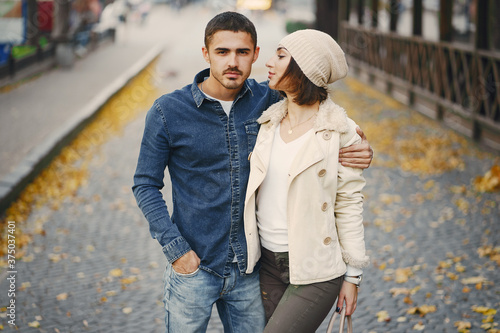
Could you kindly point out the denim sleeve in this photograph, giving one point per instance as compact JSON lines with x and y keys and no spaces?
{"x":148,"y":181}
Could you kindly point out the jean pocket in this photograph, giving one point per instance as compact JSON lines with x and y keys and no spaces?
{"x":186,"y":274}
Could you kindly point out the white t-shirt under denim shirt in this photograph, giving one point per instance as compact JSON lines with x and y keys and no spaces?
{"x":271,"y":198}
{"x":226,"y":105}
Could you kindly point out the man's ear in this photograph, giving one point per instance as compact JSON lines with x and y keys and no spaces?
{"x":204,"y":50}
{"x":256,"y":54}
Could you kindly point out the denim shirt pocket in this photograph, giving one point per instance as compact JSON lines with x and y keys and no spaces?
{"x":252,"y":129}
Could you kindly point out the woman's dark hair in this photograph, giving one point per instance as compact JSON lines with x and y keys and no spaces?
{"x":306,"y":92}
{"x":230,"y":21}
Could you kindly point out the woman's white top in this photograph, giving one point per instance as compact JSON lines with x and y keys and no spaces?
{"x":271,"y":201}
{"x":272,"y":196}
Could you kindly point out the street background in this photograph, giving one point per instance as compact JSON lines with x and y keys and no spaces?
{"x":90,"y":264}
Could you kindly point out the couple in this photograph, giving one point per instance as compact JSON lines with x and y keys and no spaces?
{"x":302,"y":228}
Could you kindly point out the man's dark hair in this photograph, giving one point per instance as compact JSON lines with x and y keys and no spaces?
{"x":230,"y":21}
{"x":306,"y":92}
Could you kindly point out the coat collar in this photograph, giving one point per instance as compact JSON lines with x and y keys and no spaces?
{"x":330,"y":116}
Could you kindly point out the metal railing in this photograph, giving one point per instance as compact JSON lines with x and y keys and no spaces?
{"x":455,"y":78}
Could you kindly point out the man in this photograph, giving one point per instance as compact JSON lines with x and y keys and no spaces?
{"x":204,"y":133}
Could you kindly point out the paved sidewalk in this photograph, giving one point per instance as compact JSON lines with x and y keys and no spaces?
{"x":431,"y":237}
{"x":38,"y":115}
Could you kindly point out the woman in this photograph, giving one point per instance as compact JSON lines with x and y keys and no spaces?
{"x":303,"y":209}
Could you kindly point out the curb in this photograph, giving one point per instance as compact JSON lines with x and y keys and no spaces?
{"x":40,"y":156}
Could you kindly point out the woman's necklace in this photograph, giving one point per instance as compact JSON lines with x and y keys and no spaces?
{"x":290,"y":131}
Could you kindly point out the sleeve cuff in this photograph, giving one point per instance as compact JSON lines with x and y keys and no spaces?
{"x":353,"y":271}
{"x":176,"y":249}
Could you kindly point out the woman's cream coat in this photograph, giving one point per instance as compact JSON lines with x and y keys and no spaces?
{"x":325,"y":204}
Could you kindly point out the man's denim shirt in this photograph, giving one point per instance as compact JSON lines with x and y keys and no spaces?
{"x":206,"y":153}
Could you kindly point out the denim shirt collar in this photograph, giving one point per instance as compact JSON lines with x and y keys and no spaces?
{"x":199,"y":96}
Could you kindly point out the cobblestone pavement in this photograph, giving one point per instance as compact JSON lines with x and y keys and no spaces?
{"x":96,"y":268}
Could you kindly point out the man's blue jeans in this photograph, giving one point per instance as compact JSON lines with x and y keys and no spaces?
{"x":189,"y":299}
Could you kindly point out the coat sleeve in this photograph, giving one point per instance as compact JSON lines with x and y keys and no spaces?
{"x":349,"y":207}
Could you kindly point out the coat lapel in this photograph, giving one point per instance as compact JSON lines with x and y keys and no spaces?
{"x":310,"y":153}
{"x":261,"y":156}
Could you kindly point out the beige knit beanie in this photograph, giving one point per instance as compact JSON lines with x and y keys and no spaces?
{"x":318,"y":55}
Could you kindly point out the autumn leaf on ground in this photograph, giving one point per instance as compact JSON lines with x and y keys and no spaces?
{"x":62,"y":296}
{"x":422,"y":310}
{"x":129,"y":280}
{"x":474,"y":280}
{"x":383,"y":316}
{"x":419,"y":327}
{"x":116,"y":272}
{"x":34,"y":324}
{"x":490,"y":181}
{"x":403,"y":274}
{"x":127,"y":310}
{"x":484,"y":310}
{"x":463,"y":326}
{"x":489,"y":251}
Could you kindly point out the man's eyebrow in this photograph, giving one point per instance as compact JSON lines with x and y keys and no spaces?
{"x":227,"y":49}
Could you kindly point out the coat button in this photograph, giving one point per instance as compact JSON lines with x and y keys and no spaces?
{"x":324,"y":207}
{"x":327,"y":241}
{"x":322,"y":172}
{"x":327,"y":135}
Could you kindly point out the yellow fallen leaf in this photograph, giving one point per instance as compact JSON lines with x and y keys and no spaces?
{"x":399,"y":291}
{"x":34,"y":324}
{"x":419,"y":327}
{"x":85,"y":323}
{"x":111,"y":293}
{"x":474,"y":280}
{"x":116,"y":272}
{"x":383,"y":316}
{"x":403,"y":274}
{"x":422,"y":310}
{"x":129,"y":280}
{"x":461,"y":325}
{"x":489,"y":318}
{"x":24,"y":285}
{"x":484,"y":310}
{"x":127,"y":310}
{"x":62,"y":296}
{"x":490,"y":181}
{"x":135,"y":270}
